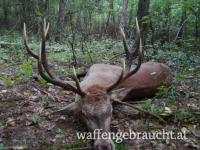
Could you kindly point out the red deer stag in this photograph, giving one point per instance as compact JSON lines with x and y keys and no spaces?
{"x":93,"y":101}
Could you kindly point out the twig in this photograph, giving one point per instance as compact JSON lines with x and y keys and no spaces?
{"x":142,"y":110}
{"x":53,"y":97}
{"x":119,"y":54}
{"x":139,"y":102}
{"x":180,"y":29}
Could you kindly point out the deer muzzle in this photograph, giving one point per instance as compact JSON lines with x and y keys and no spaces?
{"x":104,"y":144}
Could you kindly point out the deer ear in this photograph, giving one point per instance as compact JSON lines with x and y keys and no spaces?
{"x":119,"y":94}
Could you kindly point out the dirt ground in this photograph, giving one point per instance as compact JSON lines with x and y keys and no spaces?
{"x":25,"y":126}
{"x":24,"y":123}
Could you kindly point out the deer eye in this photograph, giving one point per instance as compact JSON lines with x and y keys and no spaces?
{"x":84,"y":113}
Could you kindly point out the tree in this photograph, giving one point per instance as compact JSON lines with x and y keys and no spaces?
{"x":61,"y":20}
{"x":111,"y":14}
{"x":143,"y":17}
{"x":130,"y":53}
{"x":5,"y":11}
{"x":123,"y":13}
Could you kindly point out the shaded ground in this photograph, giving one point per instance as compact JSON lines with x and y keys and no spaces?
{"x":24,"y":104}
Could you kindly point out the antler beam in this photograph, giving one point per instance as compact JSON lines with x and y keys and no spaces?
{"x":43,"y":66}
{"x":138,"y":49}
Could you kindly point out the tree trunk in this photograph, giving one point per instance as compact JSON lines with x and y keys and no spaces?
{"x":111,"y":14}
{"x":61,"y":20}
{"x":183,"y":18}
{"x":61,"y":17}
{"x":152,"y":33}
{"x":123,"y":13}
{"x":24,"y":13}
{"x":131,"y":12}
{"x":143,"y":10}
{"x":168,"y":12}
{"x":5,"y":11}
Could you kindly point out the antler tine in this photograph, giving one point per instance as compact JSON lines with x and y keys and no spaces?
{"x":43,"y":51}
{"x":26,"y":44}
{"x":57,"y":82}
{"x":47,"y":29}
{"x":140,"y":52}
{"x":43,"y":65}
{"x":30,"y":51}
{"x":76,"y":80}
{"x":118,"y":80}
{"x":44,"y":25}
{"x":138,"y":38}
{"x":140,"y":59}
{"x":126,"y":47}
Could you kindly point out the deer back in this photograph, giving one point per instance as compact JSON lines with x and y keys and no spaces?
{"x":100,"y":75}
{"x":144,"y":83}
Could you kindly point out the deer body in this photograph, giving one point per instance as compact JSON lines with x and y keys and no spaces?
{"x":146,"y":81}
{"x":101,"y":75}
{"x":94,"y":101}
{"x":143,"y":83}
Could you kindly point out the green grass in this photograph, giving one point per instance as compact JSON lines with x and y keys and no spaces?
{"x":121,"y":146}
{"x":75,"y":144}
{"x":2,"y":147}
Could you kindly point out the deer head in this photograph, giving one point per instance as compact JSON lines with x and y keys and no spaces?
{"x":94,"y":104}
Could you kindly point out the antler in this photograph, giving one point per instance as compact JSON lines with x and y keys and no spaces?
{"x":43,"y":67}
{"x":130,"y":52}
{"x":140,"y":57}
{"x":137,"y":49}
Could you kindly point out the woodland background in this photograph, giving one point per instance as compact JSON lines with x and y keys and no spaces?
{"x":84,"y":32}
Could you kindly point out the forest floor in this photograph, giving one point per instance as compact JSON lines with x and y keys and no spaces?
{"x":25,"y":101}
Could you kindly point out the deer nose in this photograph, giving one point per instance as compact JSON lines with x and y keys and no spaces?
{"x":102,"y":144}
{"x":104,"y":147}
{"x":99,"y":148}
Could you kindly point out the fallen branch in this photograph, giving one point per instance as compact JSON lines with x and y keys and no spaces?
{"x":117,"y":55}
{"x":139,"y":101}
{"x":142,"y":110}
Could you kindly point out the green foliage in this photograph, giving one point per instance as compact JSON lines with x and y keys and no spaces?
{"x":8,"y":80}
{"x":26,"y":69}
{"x":35,"y":119}
{"x":88,"y":55}
{"x":88,"y":15}
{"x":24,"y":143}
{"x":145,"y":19}
{"x":2,"y":147}
{"x":184,"y":117}
{"x":162,"y":90}
{"x":120,"y":146}
{"x":60,"y":134}
{"x":2,"y":122}
{"x":45,"y":101}
{"x":89,"y":21}
{"x":168,"y":91}
{"x":22,"y":73}
{"x":152,"y":107}
{"x":173,"y":94}
{"x":76,"y":144}
{"x":180,"y":77}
